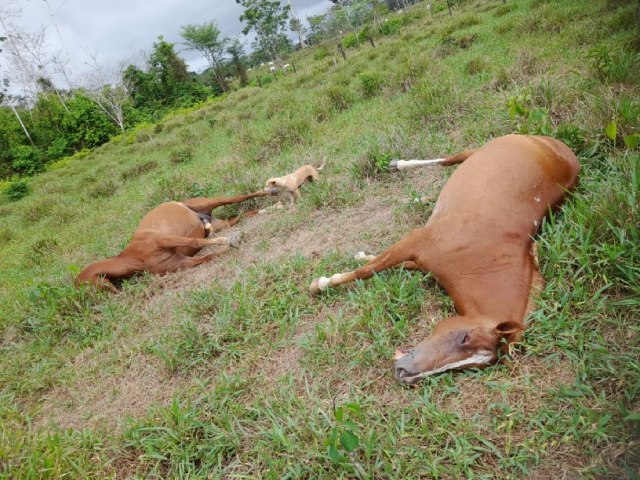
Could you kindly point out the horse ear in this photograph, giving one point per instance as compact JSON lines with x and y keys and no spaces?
{"x":511,"y":331}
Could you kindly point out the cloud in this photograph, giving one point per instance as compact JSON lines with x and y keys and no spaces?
{"x":116,"y":30}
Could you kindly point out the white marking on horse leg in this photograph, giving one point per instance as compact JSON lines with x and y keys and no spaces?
{"x":408,"y":164}
{"x":323,"y":283}
{"x":363,"y":256}
{"x":336,"y":279}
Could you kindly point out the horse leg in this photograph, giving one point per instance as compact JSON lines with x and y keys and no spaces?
{"x":206,"y":205}
{"x":100,"y":273}
{"x":399,"y":253}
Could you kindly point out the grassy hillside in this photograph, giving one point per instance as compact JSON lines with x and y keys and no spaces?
{"x":231,"y":370}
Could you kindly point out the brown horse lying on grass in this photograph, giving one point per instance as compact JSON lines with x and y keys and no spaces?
{"x":479,"y":246}
{"x":166,"y":240}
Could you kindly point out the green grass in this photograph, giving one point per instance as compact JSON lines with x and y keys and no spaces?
{"x":234,"y":371}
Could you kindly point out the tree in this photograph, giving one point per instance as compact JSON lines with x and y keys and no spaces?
{"x":167,"y":82}
{"x":206,"y":39}
{"x":268,"y":19}
{"x":236,"y":50}
{"x":316,"y":25}
{"x":30,"y":61}
{"x":5,"y":97}
{"x":296,"y":26}
{"x":106,"y":85}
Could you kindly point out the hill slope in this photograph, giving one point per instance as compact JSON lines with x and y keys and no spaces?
{"x":231,"y":370}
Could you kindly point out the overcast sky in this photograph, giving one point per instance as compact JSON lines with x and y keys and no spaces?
{"x":119,"y":29}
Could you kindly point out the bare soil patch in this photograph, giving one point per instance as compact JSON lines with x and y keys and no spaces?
{"x":99,"y":398}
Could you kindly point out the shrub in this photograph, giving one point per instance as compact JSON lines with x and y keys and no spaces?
{"x":340,"y":98}
{"x":350,"y":40}
{"x":57,"y":149}
{"x":389,"y":27}
{"x":320,"y":53}
{"x":370,"y":83}
{"x":27,"y":160}
{"x":17,"y":189}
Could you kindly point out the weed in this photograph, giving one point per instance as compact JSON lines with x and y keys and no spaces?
{"x":459,"y":23}
{"x":139,"y":169}
{"x":181,"y":155}
{"x":431,"y":101}
{"x":36,"y":211}
{"x":504,"y":9}
{"x":104,"y":189}
{"x":370,"y":83}
{"x":615,"y":64}
{"x":320,"y":53}
{"x":17,"y":189}
{"x":501,"y":80}
{"x":6,"y":235}
{"x":371,"y":165}
{"x":476,"y":66}
{"x":340,"y":98}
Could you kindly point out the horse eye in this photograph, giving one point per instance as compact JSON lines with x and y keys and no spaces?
{"x":465,"y":338}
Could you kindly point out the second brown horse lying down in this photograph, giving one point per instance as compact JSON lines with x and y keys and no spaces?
{"x":478,"y":244}
{"x":166,"y":240}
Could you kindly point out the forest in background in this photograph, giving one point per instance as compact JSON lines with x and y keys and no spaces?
{"x":48,"y":121}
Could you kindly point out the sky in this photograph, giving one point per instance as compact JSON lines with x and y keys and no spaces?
{"x":117,"y":30}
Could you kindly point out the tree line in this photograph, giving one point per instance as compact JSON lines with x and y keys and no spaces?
{"x":46,"y":122}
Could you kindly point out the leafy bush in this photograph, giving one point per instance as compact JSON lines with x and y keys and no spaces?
{"x":389,"y":27}
{"x":320,"y":53}
{"x":370,"y":83}
{"x":85,"y":125}
{"x":58,"y":148}
{"x":17,"y":189}
{"x":350,"y":40}
{"x":340,"y":98}
{"x":27,"y":160}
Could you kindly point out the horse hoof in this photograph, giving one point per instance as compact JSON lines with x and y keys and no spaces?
{"x":314,"y":288}
{"x":235,"y":240}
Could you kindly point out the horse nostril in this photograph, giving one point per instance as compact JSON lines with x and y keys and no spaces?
{"x":400,"y":372}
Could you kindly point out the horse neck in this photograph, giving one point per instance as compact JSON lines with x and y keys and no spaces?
{"x":502,"y":293}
